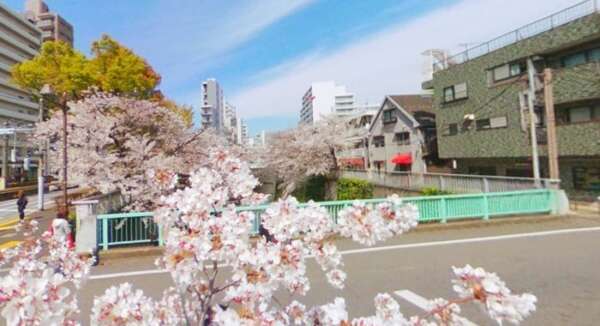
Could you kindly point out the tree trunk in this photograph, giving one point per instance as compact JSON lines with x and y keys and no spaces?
{"x":331,"y":185}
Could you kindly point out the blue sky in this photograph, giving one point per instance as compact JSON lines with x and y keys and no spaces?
{"x":265,"y":53}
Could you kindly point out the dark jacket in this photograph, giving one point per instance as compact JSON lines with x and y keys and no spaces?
{"x":22,"y":203}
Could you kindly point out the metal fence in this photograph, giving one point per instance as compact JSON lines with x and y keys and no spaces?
{"x":126,"y":229}
{"x":456,"y":183}
{"x":129,"y":228}
{"x":545,"y":24}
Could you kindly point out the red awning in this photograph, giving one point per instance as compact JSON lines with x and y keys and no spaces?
{"x":402,"y":159}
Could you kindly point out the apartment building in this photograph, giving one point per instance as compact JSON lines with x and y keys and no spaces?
{"x":53,"y":26}
{"x":19,"y":40}
{"x":323,"y":99}
{"x":481,"y":103}
{"x":402,"y":135}
{"x":212,"y":107}
{"x":241,"y":131}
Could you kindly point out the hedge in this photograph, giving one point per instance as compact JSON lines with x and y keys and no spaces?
{"x":350,"y":188}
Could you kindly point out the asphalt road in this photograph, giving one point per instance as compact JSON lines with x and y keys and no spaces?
{"x":557,"y":259}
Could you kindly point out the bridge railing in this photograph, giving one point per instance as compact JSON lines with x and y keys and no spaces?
{"x":139,"y":228}
{"x":456,"y":183}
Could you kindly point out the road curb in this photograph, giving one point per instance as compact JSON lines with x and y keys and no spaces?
{"x":129,"y":252}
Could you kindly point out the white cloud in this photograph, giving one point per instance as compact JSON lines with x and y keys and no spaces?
{"x":184,"y":38}
{"x":390,"y":61}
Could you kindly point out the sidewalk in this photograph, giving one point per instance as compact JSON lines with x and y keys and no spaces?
{"x":9,"y":238}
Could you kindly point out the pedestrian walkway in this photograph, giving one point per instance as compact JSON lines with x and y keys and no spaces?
{"x":9,"y":238}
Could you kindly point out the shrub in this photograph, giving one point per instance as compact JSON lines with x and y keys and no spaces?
{"x":313,"y":188}
{"x":350,"y":188}
{"x":434,"y":192}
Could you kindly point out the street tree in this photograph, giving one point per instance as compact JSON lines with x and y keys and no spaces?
{"x":114,"y":141}
{"x":58,"y":65}
{"x":308,"y":150}
{"x":118,"y":70}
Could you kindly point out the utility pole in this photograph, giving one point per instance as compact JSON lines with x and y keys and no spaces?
{"x":65,"y":108}
{"x":551,"y":125}
{"x":40,"y":164}
{"x":5,"y":161}
{"x":532,"y":119}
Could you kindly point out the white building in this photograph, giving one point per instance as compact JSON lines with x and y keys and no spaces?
{"x":230,"y":122}
{"x":20,"y":40}
{"x":324,"y":98}
{"x":241,"y":132}
{"x":212,"y":105}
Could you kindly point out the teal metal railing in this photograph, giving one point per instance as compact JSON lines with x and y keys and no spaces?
{"x":132,"y":228}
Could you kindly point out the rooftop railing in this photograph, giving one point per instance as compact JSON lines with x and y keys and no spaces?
{"x":537,"y":27}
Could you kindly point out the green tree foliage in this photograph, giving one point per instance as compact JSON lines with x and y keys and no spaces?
{"x":65,"y":69}
{"x":112,"y":68}
{"x":350,"y":188}
{"x":118,"y":70}
{"x":185,"y":112}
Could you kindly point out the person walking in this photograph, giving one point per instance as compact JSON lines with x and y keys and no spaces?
{"x":21,"y":204}
{"x":60,"y":228}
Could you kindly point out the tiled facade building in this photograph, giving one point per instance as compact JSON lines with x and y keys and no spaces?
{"x":53,"y":26}
{"x":482,"y":123}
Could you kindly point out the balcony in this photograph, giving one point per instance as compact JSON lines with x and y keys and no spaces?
{"x":19,"y":101}
{"x":19,"y":30}
{"x":24,"y":47}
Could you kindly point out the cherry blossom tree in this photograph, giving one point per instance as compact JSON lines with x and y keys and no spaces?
{"x":223,"y":276}
{"x":114,"y":141}
{"x":308,"y":150}
{"x":38,"y":288}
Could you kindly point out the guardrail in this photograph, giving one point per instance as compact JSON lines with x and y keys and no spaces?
{"x":130,"y":228}
{"x":537,"y":27}
{"x":456,"y":183}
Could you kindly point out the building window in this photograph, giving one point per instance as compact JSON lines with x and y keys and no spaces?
{"x":571,"y":60}
{"x":586,"y":178}
{"x":451,"y":129}
{"x":378,"y":141}
{"x":403,"y":167}
{"x":455,"y":92}
{"x":491,"y":123}
{"x":508,"y":71}
{"x":388,"y":116}
{"x":402,"y":138}
{"x":583,"y":114}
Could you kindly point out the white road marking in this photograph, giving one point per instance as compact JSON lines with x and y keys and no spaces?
{"x":413,"y":298}
{"x":395,"y":247}
{"x":125,"y":274}
{"x":422,"y":303}
{"x":471,"y":240}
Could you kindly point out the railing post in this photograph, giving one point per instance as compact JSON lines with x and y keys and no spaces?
{"x":105,"y":234}
{"x":486,"y":185}
{"x":409,"y":180}
{"x":443,"y":210}
{"x":160,"y":236}
{"x":442,"y":183}
{"x":486,"y":207}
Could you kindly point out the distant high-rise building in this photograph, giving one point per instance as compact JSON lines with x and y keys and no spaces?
{"x":230,"y":122}
{"x":324,"y":98}
{"x":241,"y":131}
{"x":212,"y":105}
{"x":53,"y":26}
